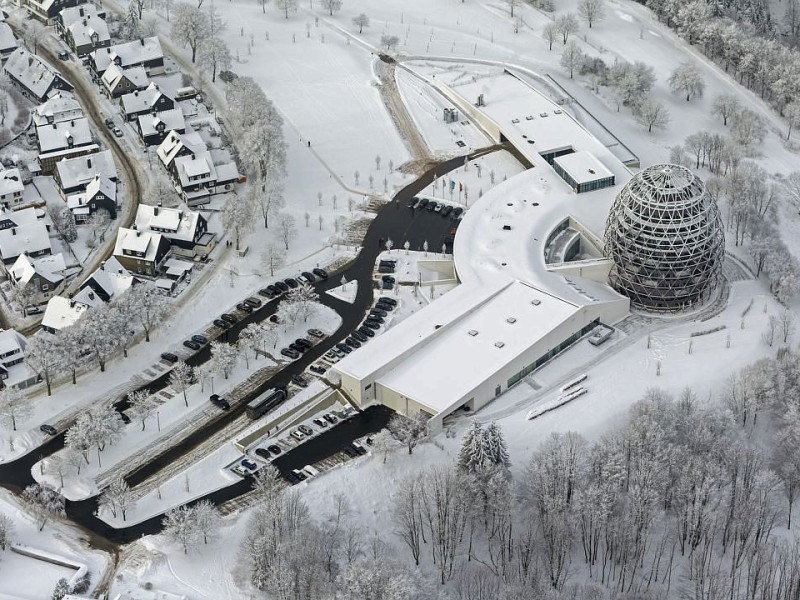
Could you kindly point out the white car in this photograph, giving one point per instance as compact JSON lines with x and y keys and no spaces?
{"x":310,"y":471}
{"x":298,"y":435}
{"x":240,"y":470}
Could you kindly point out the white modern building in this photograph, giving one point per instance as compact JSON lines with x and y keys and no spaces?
{"x":529,"y":258}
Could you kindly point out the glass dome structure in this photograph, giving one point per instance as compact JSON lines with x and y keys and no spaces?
{"x":665,"y":237}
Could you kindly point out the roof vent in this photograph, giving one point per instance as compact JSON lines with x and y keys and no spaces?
{"x":473,"y":332}
{"x":511,"y":320}
{"x":536,"y":302}
{"x":499,"y":344}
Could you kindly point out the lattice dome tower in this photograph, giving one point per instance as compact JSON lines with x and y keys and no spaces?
{"x":665,"y":237}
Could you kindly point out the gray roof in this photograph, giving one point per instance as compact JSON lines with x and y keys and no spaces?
{"x":78,"y":172}
{"x":54,"y":137}
{"x":25,"y":238}
{"x":130,"y":53}
{"x":7,"y":39}
{"x":31,"y":71}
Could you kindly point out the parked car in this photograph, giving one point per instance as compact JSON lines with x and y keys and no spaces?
{"x":221,"y":402}
{"x":291,"y":478}
{"x":352,"y":342}
{"x":303,"y":342}
{"x":254,"y":302}
{"x":297,"y":435}
{"x":281,"y":286}
{"x":423,"y":203}
{"x":317,"y":368}
{"x":299,"y":380}
{"x":265,"y":293}
{"x":300,"y":475}
{"x":385,"y":269}
{"x":332,"y":358}
{"x":316,"y":333}
{"x":263,"y":453}
{"x":229,"y":318}
{"x":378,"y":312}
{"x":386,"y":262}
{"x":200,"y":339}
{"x":310,"y":278}
{"x":306,"y":429}
{"x":384,"y":307}
{"x":434,"y":207}
{"x":34,"y":310}
{"x":297,"y":348}
{"x":320,"y":423}
{"x":359,"y":448}
{"x":366,"y":331}
{"x":449,"y":240}
{"x":350,"y":451}
{"x":109,"y":122}
{"x":387,"y":300}
{"x":191,"y":344}
{"x":321,"y":273}
{"x":372,"y":324}
{"x":446,"y":211}
{"x":344,"y":348}
{"x":48,"y":429}
{"x":124,"y":418}
{"x":244,"y":307}
{"x":249,"y":464}
{"x":274,"y":319}
{"x":359,"y":336}
{"x":117,"y":132}
{"x":221,"y":324}
{"x":241,"y":471}
{"x":273,"y":290}
{"x":292,"y":283}
{"x":330,"y":418}
{"x":457,"y":212}
{"x":388,"y":278}
{"x":310,"y":471}
{"x":413,"y":204}
{"x":376,"y":318}
{"x":274,"y":449}
{"x":290,"y":353}
{"x":169,"y":357}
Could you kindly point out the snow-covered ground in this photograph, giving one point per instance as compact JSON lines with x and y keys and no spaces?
{"x":345,"y":292}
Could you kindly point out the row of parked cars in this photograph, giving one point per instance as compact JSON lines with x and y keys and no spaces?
{"x":301,"y":345}
{"x":304,"y":431}
{"x":439,"y":207}
{"x":280,"y":287}
{"x":376,"y":317}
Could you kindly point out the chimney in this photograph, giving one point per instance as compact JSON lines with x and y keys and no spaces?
{"x":72,"y":123}
{"x":80,"y":10}
{"x":155,"y":211}
{"x":54,"y":126}
{"x":13,"y":231}
{"x":72,"y":303}
{"x":119,"y":271}
{"x":91,"y":296}
{"x":103,"y":266}
{"x":138,"y":233}
{"x":88,"y":163}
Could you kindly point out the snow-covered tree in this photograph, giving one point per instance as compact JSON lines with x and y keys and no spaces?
{"x":748,"y":128}
{"x":214,"y":54}
{"x":592,"y":11}
{"x":143,"y":405}
{"x":190,"y":26}
{"x":512,"y":4}
{"x":208,"y":520}
{"x":268,"y":196}
{"x":77,"y":438}
{"x":389,"y":42}
{"x":63,"y":222}
{"x":43,"y":502}
{"x":224,"y":357}
{"x":6,"y":531}
{"x":383,"y":442}
{"x":273,"y":258}
{"x":632,"y":81}
{"x":652,"y":114}
{"x":409,"y":431}
{"x":14,"y":407}
{"x":180,"y":526}
{"x":61,"y":590}
{"x":101,"y":333}
{"x":286,"y":7}
{"x":118,"y":498}
{"x":97,"y":224}
{"x":287,"y":229}
{"x":332,"y":6}
{"x":687,"y":80}
{"x":237,"y":217}
{"x":304,"y":301}
{"x":792,"y":113}
{"x":263,"y":5}
{"x":566,"y":25}
{"x":44,"y":355}
{"x":725,"y":106}
{"x":146,"y":305}
{"x":361,"y":21}
{"x":550,"y":33}
{"x":572,"y":58}
{"x":181,"y":378}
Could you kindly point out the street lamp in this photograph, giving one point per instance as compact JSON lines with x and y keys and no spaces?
{"x":158,"y":421}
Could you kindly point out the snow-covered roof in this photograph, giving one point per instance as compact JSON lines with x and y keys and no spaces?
{"x":12,"y":342}
{"x":77,"y":172}
{"x":227,"y":172}
{"x":55,"y":137}
{"x":174,"y":142}
{"x":136,"y":75}
{"x":82,"y":30}
{"x":102,"y":185}
{"x":143,"y":100}
{"x":50,"y":267}
{"x":172,"y":120}
{"x":130,"y":53}
{"x":30,"y":238}
{"x":62,"y":313}
{"x":26,"y":216}
{"x":10,"y":182}
{"x":31,"y":71}
{"x":111,"y":277}
{"x":195,"y":168}
{"x":61,"y":106}
{"x":75,"y":14}
{"x":177,"y":223}
{"x":7,"y":39}
{"x":583,"y":167}
{"x":134,"y":240}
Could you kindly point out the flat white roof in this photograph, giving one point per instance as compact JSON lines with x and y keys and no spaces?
{"x":477,"y":345}
{"x":583,"y":167}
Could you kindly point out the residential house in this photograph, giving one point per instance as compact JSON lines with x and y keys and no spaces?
{"x":179,"y":144}
{"x":141,"y":252}
{"x":145,"y":102}
{"x":100,"y":194}
{"x":46,"y":10}
{"x":17,"y":218}
{"x":11,"y":188}
{"x":83,"y":28}
{"x":44,"y":276}
{"x":62,"y":313}
{"x":59,"y":107}
{"x":74,"y":174}
{"x":186,"y":229}
{"x":153,"y":129}
{"x":33,"y":76}
{"x":118,"y":81}
{"x":145,"y":52}
{"x":13,"y":371}
{"x":32,"y":238}
{"x":67,"y":139}
{"x":199,"y":178}
{"x":8,"y":43}
{"x":108,"y":282}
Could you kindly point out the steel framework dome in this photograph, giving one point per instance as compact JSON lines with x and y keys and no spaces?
{"x":665,"y":237}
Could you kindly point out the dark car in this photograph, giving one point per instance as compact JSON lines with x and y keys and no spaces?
{"x":200,"y":339}
{"x":274,"y":449}
{"x":297,"y":348}
{"x":384,"y":307}
{"x":281,"y":286}
{"x":352,"y":342}
{"x":318,"y":369}
{"x":413,"y":204}
{"x":359,"y":448}
{"x":309,"y":276}
{"x":387,"y":263}
{"x":376,"y":318}
{"x":249,"y":464}
{"x":109,"y":123}
{"x":292,"y":283}
{"x":125,"y":418}
{"x":221,"y":402}
{"x":266,"y":293}
{"x":244,"y":307}
{"x":457,"y":212}
{"x":293,"y":354}
{"x":378,"y":312}
{"x":229,"y":318}
{"x":303,"y":342}
{"x":388,"y":278}
{"x":291,"y":478}
{"x":385,"y":269}
{"x":449,"y":239}
{"x":192,"y":345}
{"x":344,"y":348}
{"x":366,"y":331}
{"x":263,"y":453}
{"x":372,"y":324}
{"x":433,"y":205}
{"x":306,"y":429}
{"x":222,"y":324}
{"x":359,"y":336}
{"x":48,"y":429}
{"x":329,"y":418}
{"x":423,"y":203}
{"x":169,"y":357}
{"x":254,"y":302}
{"x":316,"y":333}
{"x":300,"y":475}
{"x":273,"y":290}
{"x":388,"y":300}
{"x":446,"y":211}
{"x":274,"y":319}
{"x":321,"y":273}
{"x":299,"y":380}
{"x":350,"y":451}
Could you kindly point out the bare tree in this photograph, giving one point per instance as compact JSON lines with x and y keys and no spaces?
{"x":190,"y":26}
{"x":332,"y":6}
{"x":237,"y":217}
{"x":286,"y":6}
{"x":409,"y":431}
{"x":118,"y":498}
{"x":14,"y":407}
{"x":44,"y":354}
{"x":550,"y":33}
{"x":407,"y":515}
{"x":572,"y":58}
{"x":214,"y":53}
{"x":208,"y":520}
{"x":725,"y":106}
{"x":224,"y":357}
{"x":273,"y":258}
{"x":181,"y":379}
{"x":566,"y":25}
{"x":6,"y":531}
{"x":263,"y":4}
{"x":652,"y":113}
{"x":512,"y":4}
{"x":44,"y":502}
{"x":286,"y":229}
{"x":179,"y":525}
{"x":143,"y":405}
{"x":361,"y":21}
{"x":390,"y":42}
{"x":687,"y":80}
{"x":147,"y":305}
{"x":787,"y":325}
{"x":592,"y":11}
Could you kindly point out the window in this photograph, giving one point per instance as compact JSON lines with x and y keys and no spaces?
{"x":45,"y":287}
